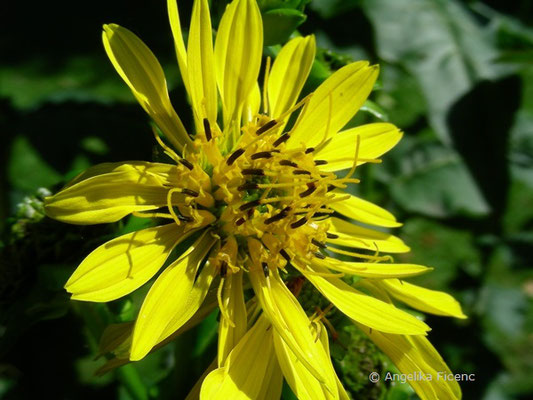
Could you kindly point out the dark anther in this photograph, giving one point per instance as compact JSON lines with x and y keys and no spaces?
{"x":250,"y":204}
{"x":285,"y":255}
{"x":240,"y":221}
{"x":331,"y":187}
{"x":265,"y":269}
{"x":318,"y":244}
{"x":190,"y":192}
{"x":279,"y":216}
{"x":261,"y":154}
{"x":207,"y":130}
{"x":186,"y":164}
{"x":320,"y":162}
{"x":248,"y":186}
{"x":309,"y":150}
{"x":299,"y":223}
{"x":311,"y":188}
{"x":266,"y":127}
{"x":223,"y":269}
{"x":301,"y":172}
{"x":319,"y":255}
{"x":281,"y":139}
{"x":370,"y":331}
{"x":236,"y":154}
{"x":250,"y":213}
{"x":288,"y":163}
{"x":332,"y":235}
{"x":253,"y":171}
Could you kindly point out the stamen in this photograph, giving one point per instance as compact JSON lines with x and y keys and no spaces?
{"x":186,"y":163}
{"x":281,"y":139}
{"x":236,"y":154}
{"x":309,"y":150}
{"x":249,"y":205}
{"x":248,"y":186}
{"x":282,"y":214}
{"x":301,"y":172}
{"x":288,"y":163}
{"x":320,"y":162}
{"x":190,"y":192}
{"x":319,"y":255}
{"x":253,"y":171}
{"x":207,"y":130}
{"x":269,"y":125}
{"x":167,"y":149}
{"x":312,"y":188}
{"x":299,"y":223}
{"x":318,"y":244}
{"x":261,"y":154}
{"x":331,"y":235}
{"x":240,"y":221}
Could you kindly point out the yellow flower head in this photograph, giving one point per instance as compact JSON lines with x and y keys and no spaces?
{"x":264,"y":208}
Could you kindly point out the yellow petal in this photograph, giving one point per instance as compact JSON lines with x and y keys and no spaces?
{"x":352,"y":235}
{"x":179,"y":44}
{"x":376,"y":139}
{"x":233,"y":297}
{"x":430,"y":301}
{"x":139,"y":68}
{"x":303,"y":384}
{"x":121,"y":265}
{"x":251,"y":105}
{"x":324,"y":340}
{"x":364,"y":211}
{"x":238,"y":51}
{"x":378,"y":270}
{"x":168,"y":304}
{"x":415,"y":356}
{"x":365,"y":309}
{"x":289,"y":320}
{"x":289,"y":73}
{"x":200,"y":64}
{"x":246,"y":369}
{"x":338,"y":98}
{"x":111,"y":196}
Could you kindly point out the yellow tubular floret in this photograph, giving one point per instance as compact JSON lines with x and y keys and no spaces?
{"x":141,"y":71}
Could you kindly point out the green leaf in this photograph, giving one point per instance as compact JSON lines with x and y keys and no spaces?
{"x":430,"y":179}
{"x":439,"y":43}
{"x":27,"y":170}
{"x":280,"y":23}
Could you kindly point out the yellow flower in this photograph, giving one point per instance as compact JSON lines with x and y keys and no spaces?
{"x":264,"y":209}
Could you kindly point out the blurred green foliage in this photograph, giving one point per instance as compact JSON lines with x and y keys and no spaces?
{"x":456,"y":77}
